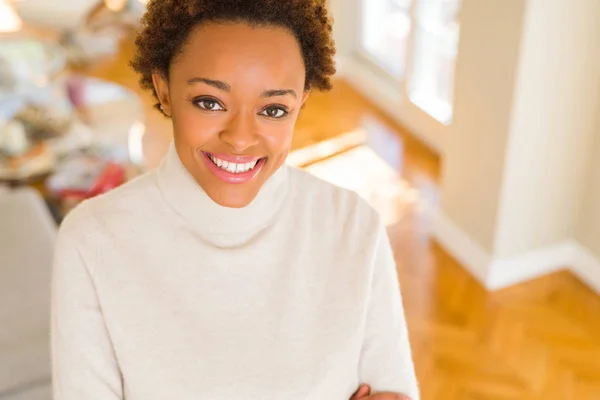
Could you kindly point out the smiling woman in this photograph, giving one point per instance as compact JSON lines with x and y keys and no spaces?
{"x":246,"y":100}
{"x":225,"y":273}
{"x":242,"y":105}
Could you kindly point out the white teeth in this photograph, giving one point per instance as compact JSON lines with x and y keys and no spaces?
{"x":234,"y":168}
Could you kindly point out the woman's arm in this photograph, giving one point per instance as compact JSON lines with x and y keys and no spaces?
{"x":386,"y":363}
{"x":84,"y":366}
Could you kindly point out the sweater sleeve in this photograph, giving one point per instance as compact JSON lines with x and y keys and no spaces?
{"x":386,"y":362}
{"x":84,"y":366}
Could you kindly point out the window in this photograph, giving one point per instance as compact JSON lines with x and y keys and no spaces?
{"x":385,"y":33}
{"x":422,"y":35}
{"x":436,"y":35}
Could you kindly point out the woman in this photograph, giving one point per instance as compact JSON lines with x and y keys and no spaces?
{"x":226,"y":274}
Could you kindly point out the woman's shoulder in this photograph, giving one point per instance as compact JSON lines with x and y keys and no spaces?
{"x":328,"y":201}
{"x":134,"y":198}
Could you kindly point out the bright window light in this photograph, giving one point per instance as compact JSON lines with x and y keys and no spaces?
{"x":9,"y":20}
{"x":435,"y":46}
{"x":385,"y":32}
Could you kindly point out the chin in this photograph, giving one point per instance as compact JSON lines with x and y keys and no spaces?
{"x":232,"y":195}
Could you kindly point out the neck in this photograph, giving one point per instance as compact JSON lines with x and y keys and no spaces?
{"x":222,"y":226}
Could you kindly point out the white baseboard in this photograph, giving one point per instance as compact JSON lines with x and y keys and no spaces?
{"x":466,"y":251}
{"x":496,"y":274}
{"x":587,"y":267}
{"x":531,"y":265}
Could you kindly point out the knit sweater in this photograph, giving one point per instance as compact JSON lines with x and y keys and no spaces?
{"x":160,"y":293}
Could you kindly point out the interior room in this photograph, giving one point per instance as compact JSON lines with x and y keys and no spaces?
{"x":470,"y":126}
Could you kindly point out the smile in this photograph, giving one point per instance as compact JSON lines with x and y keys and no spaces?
{"x":234,"y":169}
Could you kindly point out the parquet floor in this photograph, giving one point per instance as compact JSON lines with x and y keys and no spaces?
{"x":536,"y":341}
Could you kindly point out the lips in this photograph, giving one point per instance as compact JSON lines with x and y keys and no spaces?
{"x":234,"y":169}
{"x":240,"y":166}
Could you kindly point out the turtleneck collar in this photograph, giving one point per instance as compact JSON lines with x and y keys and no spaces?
{"x":221,"y":226}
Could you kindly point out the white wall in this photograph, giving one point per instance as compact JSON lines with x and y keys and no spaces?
{"x":515,"y":178}
{"x":553,"y":124}
{"x":486,"y":73}
{"x":588,"y":228}
{"x":343,"y":26}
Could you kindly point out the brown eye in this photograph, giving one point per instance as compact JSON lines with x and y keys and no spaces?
{"x":275,"y":112}
{"x":209,"y":105}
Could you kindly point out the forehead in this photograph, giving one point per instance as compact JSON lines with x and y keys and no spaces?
{"x":241,"y":55}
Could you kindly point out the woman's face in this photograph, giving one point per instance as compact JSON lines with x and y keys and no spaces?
{"x":234,"y":93}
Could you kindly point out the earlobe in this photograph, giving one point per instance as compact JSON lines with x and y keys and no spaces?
{"x":162,"y":90}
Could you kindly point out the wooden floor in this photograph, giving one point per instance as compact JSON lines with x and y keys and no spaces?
{"x":539,"y":340}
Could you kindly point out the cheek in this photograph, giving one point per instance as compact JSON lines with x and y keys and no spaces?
{"x":195,"y":128}
{"x":278,"y":137}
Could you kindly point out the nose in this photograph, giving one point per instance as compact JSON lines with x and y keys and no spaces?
{"x":240,"y":133}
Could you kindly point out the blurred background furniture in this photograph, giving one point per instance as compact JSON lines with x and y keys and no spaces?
{"x":68,"y":15}
{"x":89,"y":29}
{"x":61,"y":131}
{"x":26,"y":247}
{"x":60,"y":15}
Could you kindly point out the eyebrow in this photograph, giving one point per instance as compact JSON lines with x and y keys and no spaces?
{"x":279,"y":92}
{"x":224,"y":86}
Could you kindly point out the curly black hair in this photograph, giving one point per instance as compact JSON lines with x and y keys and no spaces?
{"x":167,"y":24}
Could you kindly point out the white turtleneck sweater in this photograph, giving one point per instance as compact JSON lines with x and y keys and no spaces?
{"x":160,"y":293}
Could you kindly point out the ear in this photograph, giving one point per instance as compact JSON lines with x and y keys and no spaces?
{"x":305,"y":96}
{"x":162,"y":90}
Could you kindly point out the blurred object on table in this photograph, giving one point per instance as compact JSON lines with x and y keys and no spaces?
{"x":25,"y":138}
{"x":86,"y":174}
{"x":31,"y":110}
{"x":41,"y":123}
{"x":82,"y":177}
{"x":8,"y":76}
{"x":73,"y":115}
{"x":117,"y":116}
{"x":71,"y":136}
{"x":88,"y":30}
{"x":13,"y":139}
{"x":75,"y":85}
{"x":28,"y":64}
{"x":84,"y":48}
{"x":34,"y":164}
{"x":100,"y":31}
